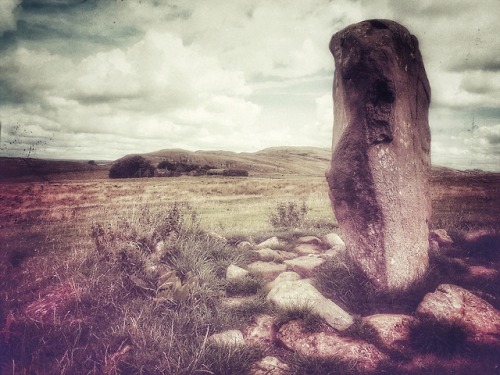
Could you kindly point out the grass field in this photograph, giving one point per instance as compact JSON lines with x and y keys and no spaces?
{"x":48,"y":238}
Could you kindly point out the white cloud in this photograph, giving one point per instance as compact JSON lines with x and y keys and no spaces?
{"x":8,"y":15}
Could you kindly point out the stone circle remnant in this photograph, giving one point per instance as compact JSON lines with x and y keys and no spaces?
{"x":378,"y":178}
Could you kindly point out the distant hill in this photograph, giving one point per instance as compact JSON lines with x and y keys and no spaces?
{"x":307,"y":161}
{"x":300,"y":161}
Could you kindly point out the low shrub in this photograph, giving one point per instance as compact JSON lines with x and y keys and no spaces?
{"x":288,"y":215}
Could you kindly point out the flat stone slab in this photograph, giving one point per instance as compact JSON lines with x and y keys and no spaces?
{"x":307,"y":248}
{"x":357,"y":353}
{"x":266,"y":270}
{"x":231,"y":337}
{"x":268,"y":255}
{"x":272,"y":243}
{"x":270,"y":366}
{"x":234,"y":272}
{"x":301,"y":293}
{"x":304,"y":265}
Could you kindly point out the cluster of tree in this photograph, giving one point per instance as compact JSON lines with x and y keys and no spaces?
{"x":131,"y":167}
{"x":180,"y":167}
{"x":136,"y":166}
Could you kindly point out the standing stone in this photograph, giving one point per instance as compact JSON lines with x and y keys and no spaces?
{"x":378,"y":177}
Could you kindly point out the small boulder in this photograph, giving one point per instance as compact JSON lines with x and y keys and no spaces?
{"x":392,"y":330}
{"x":231,"y":337}
{"x":261,"y":331}
{"x":454,"y":305}
{"x":270,"y":366}
{"x":304,"y":265}
{"x":272,"y":243}
{"x":441,"y":237}
{"x":282,"y":277}
{"x":309,"y":240}
{"x":301,"y":293}
{"x":285,"y":255}
{"x":266,"y":270}
{"x":235,"y":302}
{"x":306,"y":249}
{"x":334,"y":242}
{"x":235,"y":273}
{"x":244,"y":246}
{"x":268,"y":255}
{"x":363,"y":356}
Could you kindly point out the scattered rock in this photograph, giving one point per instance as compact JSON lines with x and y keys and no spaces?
{"x":454,"y":305}
{"x":244,"y":246}
{"x":269,"y":255}
{"x":285,"y":276}
{"x":285,"y":255}
{"x":261,"y":331}
{"x":334,"y":242}
{"x":381,"y":140}
{"x":360,"y":354}
{"x":302,"y":293}
{"x":392,"y":330}
{"x":270,"y":366}
{"x":306,"y":249}
{"x":441,"y":237}
{"x":272,"y":243}
{"x":304,"y":265}
{"x":236,"y":273}
{"x":231,"y":337}
{"x":233,"y":302}
{"x":266,"y":270}
{"x":481,"y":274}
{"x":309,"y":240}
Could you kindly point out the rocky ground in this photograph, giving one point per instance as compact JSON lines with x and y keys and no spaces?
{"x":452,"y":330}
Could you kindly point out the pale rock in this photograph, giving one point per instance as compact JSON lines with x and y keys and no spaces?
{"x":261,"y":331}
{"x":270,"y":366}
{"x":310,"y":240}
{"x":266,"y":270}
{"x":304,"y":265}
{"x":272,"y":243}
{"x":233,"y":302}
{"x":441,"y":237}
{"x":231,"y":337}
{"x":283,"y":277}
{"x":269,"y":255}
{"x":393,"y":330}
{"x":285,"y":255}
{"x":301,"y":293}
{"x":454,"y":305}
{"x":306,"y":249}
{"x":244,"y":246}
{"x":362,"y":355}
{"x":334,"y":242}
{"x":234,"y":272}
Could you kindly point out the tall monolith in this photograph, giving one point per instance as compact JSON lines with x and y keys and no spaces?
{"x":378,"y":177}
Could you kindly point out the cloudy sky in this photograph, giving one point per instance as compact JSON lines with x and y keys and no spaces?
{"x":98,"y":79}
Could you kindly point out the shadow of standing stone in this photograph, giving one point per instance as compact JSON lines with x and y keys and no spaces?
{"x":378,"y":177}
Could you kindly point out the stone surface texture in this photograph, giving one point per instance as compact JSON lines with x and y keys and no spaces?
{"x":362,"y":355}
{"x":392,"y":330}
{"x":454,"y":305}
{"x":300,"y":293}
{"x":378,"y":177}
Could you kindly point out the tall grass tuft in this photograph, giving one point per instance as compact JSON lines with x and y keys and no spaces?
{"x":149,"y":295}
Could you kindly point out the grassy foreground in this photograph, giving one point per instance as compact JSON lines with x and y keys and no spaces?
{"x":127,"y":276}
